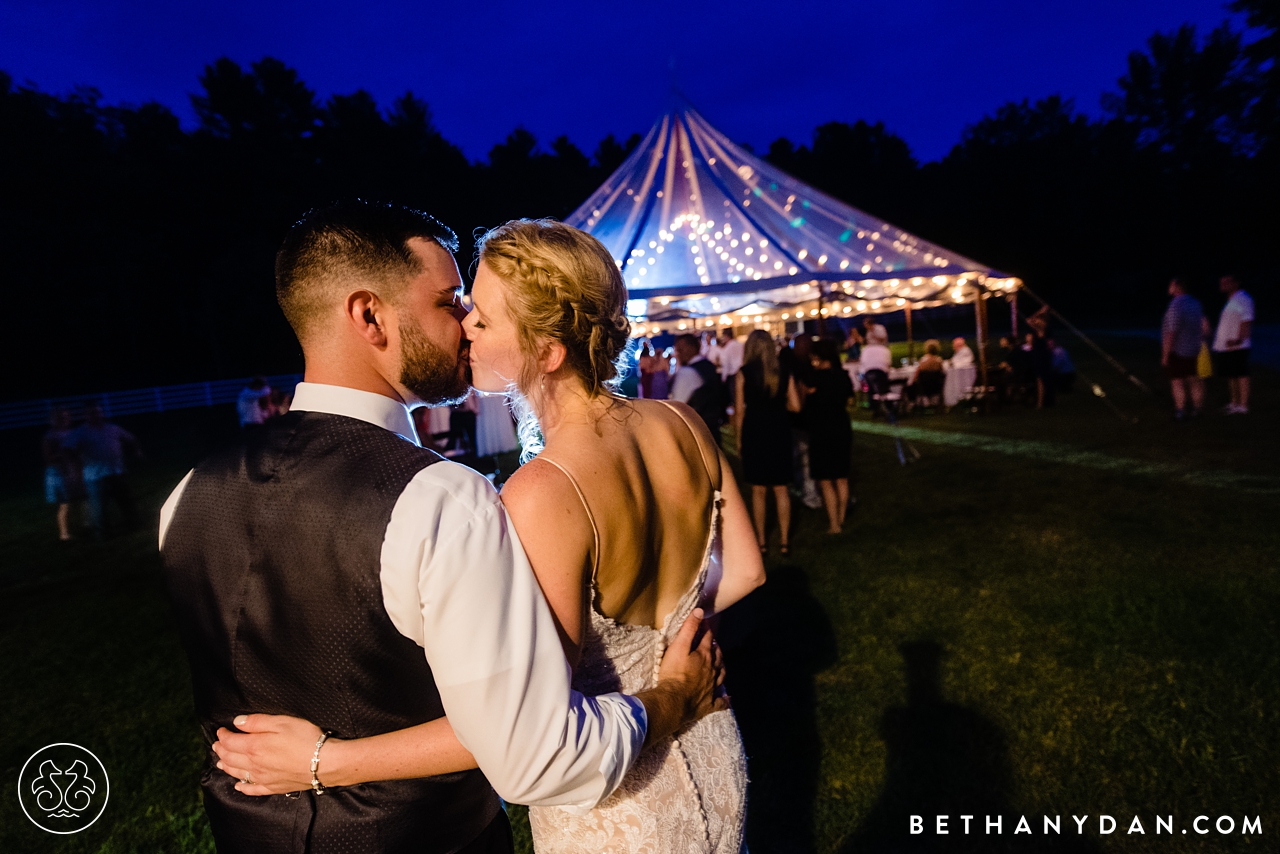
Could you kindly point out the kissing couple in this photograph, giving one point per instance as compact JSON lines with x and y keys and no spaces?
{"x":381,"y":648}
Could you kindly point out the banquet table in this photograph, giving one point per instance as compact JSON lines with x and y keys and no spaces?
{"x":896,"y":375}
{"x":956,"y":384}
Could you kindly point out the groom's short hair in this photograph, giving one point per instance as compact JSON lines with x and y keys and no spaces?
{"x":334,"y":249}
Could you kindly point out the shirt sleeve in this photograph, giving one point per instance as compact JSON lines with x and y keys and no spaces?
{"x":1244,"y":306}
{"x":456,"y":581}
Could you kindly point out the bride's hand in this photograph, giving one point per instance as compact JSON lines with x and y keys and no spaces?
{"x":271,"y":755}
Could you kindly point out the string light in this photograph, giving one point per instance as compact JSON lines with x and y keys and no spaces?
{"x":718,"y":253}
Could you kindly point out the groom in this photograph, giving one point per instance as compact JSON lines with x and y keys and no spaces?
{"x":328,"y":567}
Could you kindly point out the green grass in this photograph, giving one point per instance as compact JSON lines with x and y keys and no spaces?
{"x":995,"y":632}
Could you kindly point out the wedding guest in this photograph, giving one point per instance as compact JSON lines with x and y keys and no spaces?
{"x":874,"y":333}
{"x":876,"y":356}
{"x":1064,"y":371}
{"x":729,"y":354}
{"x":927,"y":380}
{"x":853,"y":342}
{"x":1011,"y":367}
{"x":653,"y":372}
{"x":253,"y":402}
{"x":463,"y":424}
{"x":797,"y":360}
{"x":278,"y":403}
{"x":103,"y":447}
{"x":697,"y":383}
{"x":63,"y":478}
{"x":961,"y":355}
{"x":662,"y":376}
{"x":764,"y":394}
{"x":1233,"y":343}
{"x":1041,"y":360}
{"x":830,"y":436}
{"x":1180,"y":337}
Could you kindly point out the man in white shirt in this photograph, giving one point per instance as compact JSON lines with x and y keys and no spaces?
{"x":329,"y":568}
{"x":728,"y":354}
{"x":697,"y":383}
{"x":1232,"y":344}
{"x":961,"y":355}
{"x":875,"y":357}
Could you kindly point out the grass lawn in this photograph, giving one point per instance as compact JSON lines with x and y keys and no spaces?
{"x":1031,"y":620}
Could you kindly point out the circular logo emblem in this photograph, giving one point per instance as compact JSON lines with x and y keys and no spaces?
{"x":63,"y":788}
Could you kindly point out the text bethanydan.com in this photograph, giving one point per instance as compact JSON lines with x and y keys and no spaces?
{"x":1225,"y":825}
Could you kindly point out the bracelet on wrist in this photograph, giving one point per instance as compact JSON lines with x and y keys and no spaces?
{"x":315,"y":763}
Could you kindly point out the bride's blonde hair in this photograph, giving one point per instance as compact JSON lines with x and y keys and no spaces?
{"x":562,"y":286}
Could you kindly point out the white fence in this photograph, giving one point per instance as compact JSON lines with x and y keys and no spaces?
{"x":29,"y":413}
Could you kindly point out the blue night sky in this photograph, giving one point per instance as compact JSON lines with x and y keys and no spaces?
{"x":756,"y":70}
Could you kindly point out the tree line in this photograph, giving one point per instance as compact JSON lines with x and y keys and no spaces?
{"x":141,"y":253}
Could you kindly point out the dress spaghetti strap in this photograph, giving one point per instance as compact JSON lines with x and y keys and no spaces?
{"x":701,"y":453}
{"x":595,"y":532}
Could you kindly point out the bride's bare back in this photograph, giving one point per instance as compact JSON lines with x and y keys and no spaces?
{"x":646,"y":471}
{"x":644,"y":475}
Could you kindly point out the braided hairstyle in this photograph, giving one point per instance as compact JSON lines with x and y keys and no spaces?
{"x":562,"y":286}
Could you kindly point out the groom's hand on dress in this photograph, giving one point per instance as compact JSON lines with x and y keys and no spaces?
{"x":690,"y":681}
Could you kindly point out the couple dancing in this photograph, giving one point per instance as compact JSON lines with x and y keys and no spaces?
{"x":380,"y":647}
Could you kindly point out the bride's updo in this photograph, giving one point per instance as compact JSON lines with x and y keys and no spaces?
{"x":562,"y":285}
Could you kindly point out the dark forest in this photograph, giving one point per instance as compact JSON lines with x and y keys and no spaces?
{"x":141,"y":253}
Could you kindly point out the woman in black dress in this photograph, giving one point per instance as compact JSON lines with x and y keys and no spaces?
{"x":763,"y":393}
{"x":830,"y":436}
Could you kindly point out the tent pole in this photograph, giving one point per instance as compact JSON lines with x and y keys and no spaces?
{"x":1013,"y":316}
{"x":822,"y":318}
{"x":980,"y":312}
{"x":911,"y":343}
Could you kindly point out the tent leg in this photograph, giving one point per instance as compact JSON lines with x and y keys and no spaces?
{"x":1013,"y":315}
{"x":911,"y":342}
{"x":980,"y":312}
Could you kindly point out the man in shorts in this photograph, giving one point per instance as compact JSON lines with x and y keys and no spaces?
{"x":1232,"y":344}
{"x":1180,"y":336}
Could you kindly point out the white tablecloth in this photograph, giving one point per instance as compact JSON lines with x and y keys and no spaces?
{"x":957,"y":382}
{"x":896,"y":375}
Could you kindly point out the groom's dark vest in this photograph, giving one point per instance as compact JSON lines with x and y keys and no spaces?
{"x":273,"y":560}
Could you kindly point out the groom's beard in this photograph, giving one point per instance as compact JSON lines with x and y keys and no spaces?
{"x":434,"y":376}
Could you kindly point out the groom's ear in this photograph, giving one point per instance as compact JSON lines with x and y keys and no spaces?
{"x":368,"y":316}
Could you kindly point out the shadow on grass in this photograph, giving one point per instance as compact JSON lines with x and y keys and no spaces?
{"x":947,"y":760}
{"x":774,"y":641}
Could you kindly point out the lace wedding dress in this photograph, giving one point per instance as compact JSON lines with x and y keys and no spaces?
{"x":685,"y":795}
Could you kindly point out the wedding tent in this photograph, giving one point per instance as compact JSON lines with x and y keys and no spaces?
{"x":707,"y":234}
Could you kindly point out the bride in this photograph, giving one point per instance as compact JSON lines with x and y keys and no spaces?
{"x":631,"y":519}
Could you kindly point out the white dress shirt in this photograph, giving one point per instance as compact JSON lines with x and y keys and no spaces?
{"x":876,"y":357}
{"x":456,"y":581}
{"x":686,"y":381}
{"x":731,"y":353}
{"x":962,"y":358}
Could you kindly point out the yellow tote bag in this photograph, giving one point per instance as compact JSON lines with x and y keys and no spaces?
{"x":1204,"y":362}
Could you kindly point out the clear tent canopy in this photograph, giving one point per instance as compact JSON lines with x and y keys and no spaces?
{"x":708,"y":235}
